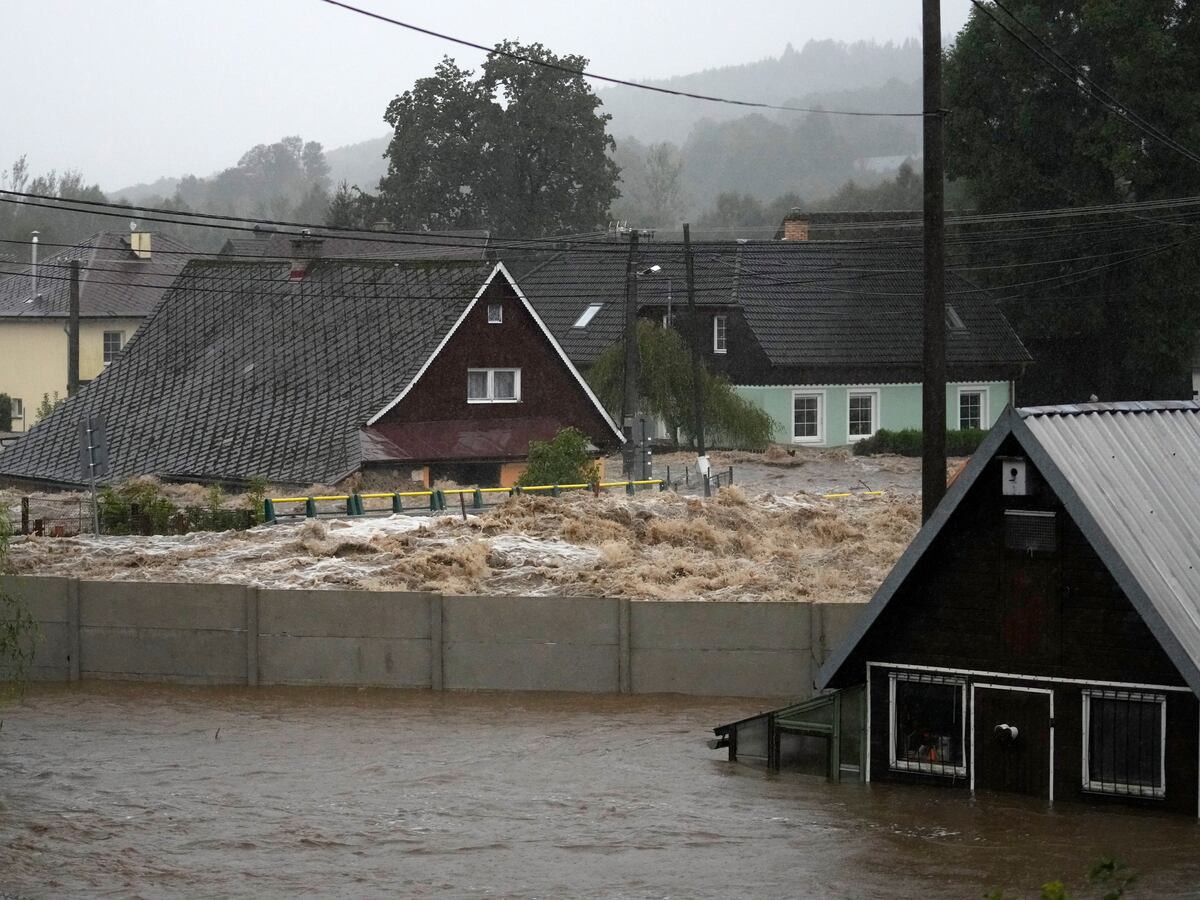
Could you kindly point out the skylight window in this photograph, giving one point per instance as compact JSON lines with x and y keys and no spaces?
{"x":587,"y":315}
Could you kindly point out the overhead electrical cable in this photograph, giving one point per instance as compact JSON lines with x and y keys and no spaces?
{"x":608,"y":79}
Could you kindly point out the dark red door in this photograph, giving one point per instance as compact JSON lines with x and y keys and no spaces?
{"x":1012,"y":739}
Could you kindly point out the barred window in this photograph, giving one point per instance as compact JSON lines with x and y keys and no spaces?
{"x":1123,"y":741}
{"x":927,"y":724}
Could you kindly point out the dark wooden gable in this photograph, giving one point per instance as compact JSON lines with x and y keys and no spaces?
{"x":971,"y":603}
{"x":549,"y":389}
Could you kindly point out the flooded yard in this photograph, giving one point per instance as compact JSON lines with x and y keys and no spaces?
{"x":129,"y":790}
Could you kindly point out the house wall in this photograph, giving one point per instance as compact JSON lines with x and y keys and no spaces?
{"x":33,"y":357}
{"x":548,"y":389}
{"x":899,"y":406}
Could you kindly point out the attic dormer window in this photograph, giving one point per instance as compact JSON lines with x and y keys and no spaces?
{"x":495,"y":313}
{"x":587,"y":315}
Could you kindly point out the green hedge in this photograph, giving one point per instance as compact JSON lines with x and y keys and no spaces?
{"x":907,"y":442}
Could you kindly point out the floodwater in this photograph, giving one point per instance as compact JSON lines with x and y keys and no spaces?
{"x":130,"y":790}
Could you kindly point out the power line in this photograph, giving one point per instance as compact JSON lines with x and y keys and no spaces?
{"x":1084,"y":84}
{"x":558,"y":67}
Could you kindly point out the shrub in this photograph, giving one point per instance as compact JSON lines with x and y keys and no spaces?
{"x":5,"y":412}
{"x":907,"y":442}
{"x":567,"y":458}
{"x":139,"y":507}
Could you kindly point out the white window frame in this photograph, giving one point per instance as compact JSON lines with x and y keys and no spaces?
{"x":491,"y":386}
{"x":587,"y":315}
{"x":1124,"y":790}
{"x":985,"y":417}
{"x":495,"y":313}
{"x":873,"y":393}
{"x":720,"y":334}
{"x":904,"y":765}
{"x":18,"y":408}
{"x":819,"y":438}
{"x":104,"y":350}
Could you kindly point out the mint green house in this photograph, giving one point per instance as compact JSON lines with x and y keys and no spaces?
{"x":825,"y":336}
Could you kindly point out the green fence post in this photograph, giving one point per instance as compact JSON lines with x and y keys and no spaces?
{"x":440,"y":496}
{"x":358,"y":505}
{"x":629,"y":488}
{"x":662,"y":486}
{"x":554,"y":491}
{"x":350,"y":505}
{"x":516,"y":489}
{"x":310,"y":507}
{"x":397,"y":502}
{"x":269,"y":511}
{"x":477,"y":499}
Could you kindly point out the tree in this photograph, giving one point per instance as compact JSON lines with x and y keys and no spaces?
{"x":1025,"y":137}
{"x":665,"y":386}
{"x":567,"y":458}
{"x":521,"y":150}
{"x":5,"y":412}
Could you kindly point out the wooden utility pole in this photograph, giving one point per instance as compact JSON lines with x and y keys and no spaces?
{"x":73,"y":333}
{"x":933,"y":393}
{"x":695,"y":335}
{"x":629,"y":399}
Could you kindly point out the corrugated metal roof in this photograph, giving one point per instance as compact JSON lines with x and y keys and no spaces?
{"x":1136,"y":469}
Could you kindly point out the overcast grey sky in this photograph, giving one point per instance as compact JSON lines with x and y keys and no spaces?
{"x":131,"y":90}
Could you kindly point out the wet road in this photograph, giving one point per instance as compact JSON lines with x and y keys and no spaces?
{"x":128,"y":790}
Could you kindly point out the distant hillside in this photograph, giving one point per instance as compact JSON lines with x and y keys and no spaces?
{"x":820,"y":67}
{"x":139,"y":193}
{"x":359,"y":164}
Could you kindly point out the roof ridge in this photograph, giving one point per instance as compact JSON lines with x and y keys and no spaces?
{"x":1126,"y":406}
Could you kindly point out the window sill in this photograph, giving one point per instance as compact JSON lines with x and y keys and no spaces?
{"x":945,"y":771}
{"x":1132,"y":790}
{"x":720,"y":352}
{"x":808,"y":440}
{"x":489,"y":400}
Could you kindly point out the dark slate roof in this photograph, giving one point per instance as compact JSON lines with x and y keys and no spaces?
{"x":811,"y":304}
{"x":1126,"y":472}
{"x":112,"y":281}
{"x":268,"y":243}
{"x":241,"y":372}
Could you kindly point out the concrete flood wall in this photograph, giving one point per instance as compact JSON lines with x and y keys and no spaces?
{"x":231,"y":634}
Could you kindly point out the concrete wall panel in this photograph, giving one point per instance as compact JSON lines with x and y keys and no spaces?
{"x":167,"y":654}
{"x":722,"y":673}
{"x":482,"y":665}
{"x":374,"y":661}
{"x":720,"y":626}
{"x":47,"y":597}
{"x":140,"y":604}
{"x":344,"y":613}
{"x":504,"y":620}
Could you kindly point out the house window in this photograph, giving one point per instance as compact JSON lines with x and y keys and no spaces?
{"x":719,"y":345}
{"x":808,"y":416}
{"x":863,"y":409}
{"x":927,"y":724}
{"x":954,"y":321}
{"x":1030,"y":531}
{"x":587,"y":315}
{"x":972,"y":407}
{"x":1124,"y":735}
{"x":493,"y":385}
{"x":113,"y":341}
{"x":495,"y":313}
{"x":18,"y":408}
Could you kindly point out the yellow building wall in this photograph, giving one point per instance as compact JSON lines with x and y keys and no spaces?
{"x":33,"y":358}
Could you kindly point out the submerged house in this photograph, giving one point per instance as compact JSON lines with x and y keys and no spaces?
{"x":1041,"y":634}
{"x":825,"y":336}
{"x":319,"y":369}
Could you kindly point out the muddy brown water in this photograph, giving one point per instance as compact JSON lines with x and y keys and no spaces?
{"x":130,"y":790}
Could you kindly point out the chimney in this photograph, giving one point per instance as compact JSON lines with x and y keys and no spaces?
{"x":305,"y":251}
{"x":795,"y":227}
{"x":139,"y":243}
{"x":33,"y":259}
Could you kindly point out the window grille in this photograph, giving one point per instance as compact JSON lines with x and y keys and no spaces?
{"x":113,"y":341}
{"x":1030,"y":531}
{"x":862,"y":415}
{"x":1123,"y":743}
{"x":970,"y":409}
{"x":927,"y":723}
{"x":806,"y":417}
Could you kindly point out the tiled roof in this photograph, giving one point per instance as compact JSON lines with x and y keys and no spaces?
{"x":241,"y":372}
{"x":112,"y":281}
{"x":364,"y":245}
{"x":811,"y":304}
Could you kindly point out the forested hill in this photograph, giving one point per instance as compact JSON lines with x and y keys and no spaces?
{"x":819,"y":67}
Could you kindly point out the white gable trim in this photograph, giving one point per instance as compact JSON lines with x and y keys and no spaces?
{"x":545,"y":331}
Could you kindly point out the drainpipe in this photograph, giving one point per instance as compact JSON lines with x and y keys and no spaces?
{"x":33,"y":254}
{"x":73,"y":334}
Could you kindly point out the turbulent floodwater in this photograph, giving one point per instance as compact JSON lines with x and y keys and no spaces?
{"x":128,"y":790}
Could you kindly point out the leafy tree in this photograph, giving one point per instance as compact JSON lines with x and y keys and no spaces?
{"x":567,"y":458}
{"x":665,"y":386}
{"x":48,"y":405}
{"x":652,"y":194}
{"x":521,"y":149}
{"x":5,"y":412}
{"x":1026,"y":138}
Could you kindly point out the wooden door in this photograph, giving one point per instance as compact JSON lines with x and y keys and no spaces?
{"x":1012,"y":739}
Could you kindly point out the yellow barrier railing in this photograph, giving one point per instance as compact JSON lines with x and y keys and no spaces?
{"x":437,"y":497}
